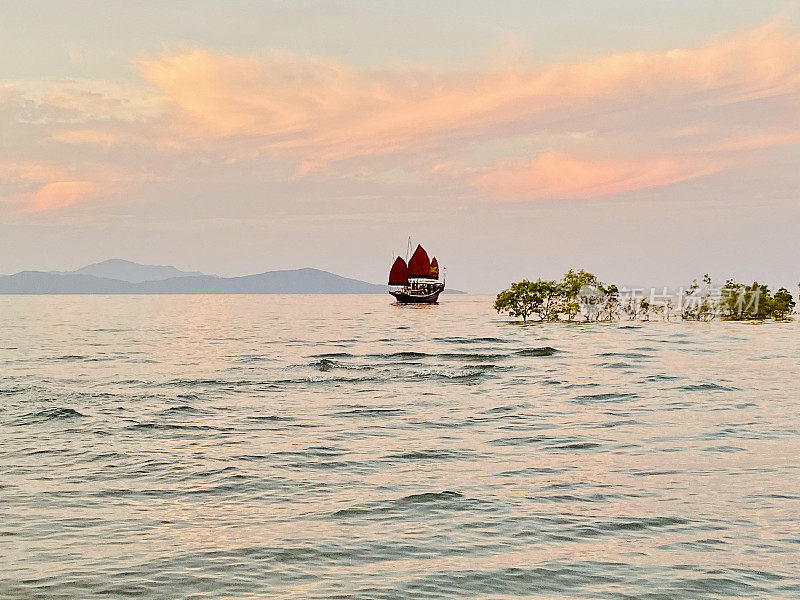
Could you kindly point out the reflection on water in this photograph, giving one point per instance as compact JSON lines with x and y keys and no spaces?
{"x":321,"y":447}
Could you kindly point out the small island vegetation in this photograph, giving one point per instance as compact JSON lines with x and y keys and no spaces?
{"x":581,"y":296}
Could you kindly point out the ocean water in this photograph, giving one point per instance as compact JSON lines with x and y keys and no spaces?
{"x":344,"y":447}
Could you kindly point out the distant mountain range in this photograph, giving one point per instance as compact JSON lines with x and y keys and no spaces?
{"x":125,"y":270}
{"x":124,"y":277}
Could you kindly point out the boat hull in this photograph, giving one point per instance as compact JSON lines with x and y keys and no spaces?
{"x":405,"y":298}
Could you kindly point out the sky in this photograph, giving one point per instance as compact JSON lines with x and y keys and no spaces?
{"x":647,"y":141}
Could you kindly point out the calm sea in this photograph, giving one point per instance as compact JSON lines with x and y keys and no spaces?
{"x":343,"y":447}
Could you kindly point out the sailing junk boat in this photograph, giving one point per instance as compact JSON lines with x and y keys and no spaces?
{"x":416,"y":282}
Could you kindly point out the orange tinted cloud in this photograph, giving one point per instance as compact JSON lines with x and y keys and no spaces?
{"x":22,"y":171}
{"x":49,"y":186}
{"x":197,"y":112}
{"x":758,"y":141}
{"x":106,"y":137}
{"x":556,"y":175}
{"x":316,"y":110}
{"x":60,"y":194}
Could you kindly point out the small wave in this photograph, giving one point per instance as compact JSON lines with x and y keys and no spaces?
{"x":370,"y":412}
{"x":94,"y":395}
{"x":327,"y":364}
{"x":470,"y":373}
{"x":430,"y":497}
{"x":543,"y":351}
{"x":321,"y":380}
{"x":135,"y":382}
{"x":59,"y":413}
{"x":507,"y":408}
{"x":776,"y":496}
{"x":177,"y":427}
{"x":627,"y":525}
{"x":660,"y":377}
{"x":491,"y":367}
{"x":180,"y":409}
{"x":469,"y":356}
{"x":470,"y":340}
{"x":706,"y":387}
{"x":617,"y":365}
{"x":50,"y":414}
{"x":703,"y":545}
{"x":10,"y":391}
{"x":65,"y":358}
{"x":454,"y":356}
{"x":601,"y":398}
{"x":430,"y":455}
{"x":48,"y":451}
{"x":402,"y":355}
{"x":333,"y":355}
{"x":570,"y":498}
{"x":625,"y":354}
{"x":577,"y":446}
{"x":312,"y":451}
{"x":724,"y":449}
{"x":517,"y":441}
{"x":387,"y":508}
{"x":536,"y":471}
{"x":612,"y":424}
{"x":545,"y":581}
{"x":651,"y":473}
{"x":199,"y":382}
{"x":547,"y":442}
{"x":252,"y":358}
{"x":269,"y":418}
{"x":244,"y":384}
{"x":324,"y":364}
{"x":455,"y":376}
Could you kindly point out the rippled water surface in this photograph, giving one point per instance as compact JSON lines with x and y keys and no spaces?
{"x":344,"y":447}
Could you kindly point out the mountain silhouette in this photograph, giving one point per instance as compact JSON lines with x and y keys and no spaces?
{"x":126,"y":280}
{"x":125,"y":270}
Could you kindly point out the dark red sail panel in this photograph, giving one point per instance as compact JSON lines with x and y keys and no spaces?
{"x":434,"y":269}
{"x":399,"y":273}
{"x":419,"y":265}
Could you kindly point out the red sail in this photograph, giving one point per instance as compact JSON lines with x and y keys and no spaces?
{"x":399,"y":273}
{"x":419,"y":266}
{"x":434,"y":269}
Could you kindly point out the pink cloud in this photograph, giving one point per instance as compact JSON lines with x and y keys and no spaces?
{"x":14,"y":171}
{"x":196,"y":112}
{"x":46,"y":186}
{"x":105,"y":137}
{"x":316,"y":111}
{"x":758,"y":141}
{"x":60,"y":194}
{"x":556,"y":175}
